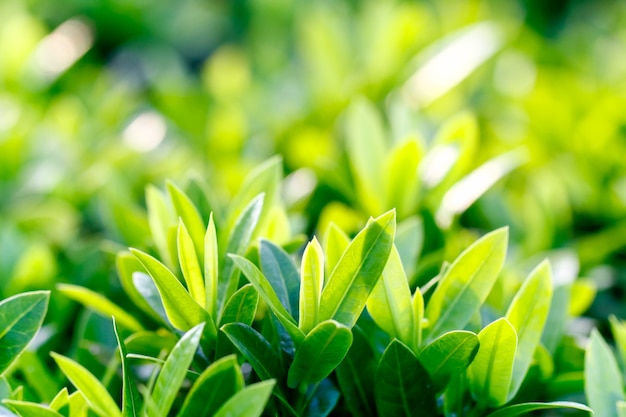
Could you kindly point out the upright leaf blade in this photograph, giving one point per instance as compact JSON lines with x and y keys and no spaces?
{"x":249,"y":402}
{"x":187,"y":211}
{"x":321,"y":352}
{"x":281,"y":273}
{"x":603,"y":383}
{"x":527,"y":314}
{"x":131,"y":401}
{"x":211,"y":268}
{"x":160,"y":217}
{"x":358,"y":271}
{"x":21,"y":317}
{"x":311,"y":284}
{"x":336,"y":242}
{"x":402,"y":385}
{"x":190,"y":265}
{"x":466,"y":284}
{"x":491,"y":371}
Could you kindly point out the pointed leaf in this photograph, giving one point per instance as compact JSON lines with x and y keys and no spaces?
{"x":249,"y":402}
{"x":187,"y":211}
{"x":28,"y":409}
{"x":490,"y":372}
{"x":526,"y":408}
{"x":21,"y":317}
{"x":401,"y":177}
{"x":321,"y":352}
{"x":418,"y":317}
{"x":336,"y":243}
{"x":390,"y":302}
{"x":150,"y":293}
{"x":127,"y":265}
{"x":312,"y":282}
{"x":160,"y":218}
{"x":211,"y":268}
{"x":527,"y":314}
{"x":449,"y":355}
{"x":131,"y":401}
{"x":358,"y":271}
{"x":220,"y":381}
{"x":241,"y":308}
{"x":466,"y":284}
{"x":190,"y":265}
{"x":96,"y":395}
{"x":281,"y":273}
{"x":603,"y":382}
{"x":402,"y":385}
{"x":174,"y":372}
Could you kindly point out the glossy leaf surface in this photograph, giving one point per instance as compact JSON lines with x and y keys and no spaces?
{"x":603,"y":382}
{"x":311,"y":284}
{"x":249,"y":402}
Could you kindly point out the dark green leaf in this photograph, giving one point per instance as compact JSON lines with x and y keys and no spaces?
{"x":131,"y":401}
{"x":282,"y":275}
{"x":241,"y":308}
{"x":249,"y":402}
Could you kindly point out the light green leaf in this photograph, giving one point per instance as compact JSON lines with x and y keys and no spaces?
{"x":100,"y":305}
{"x":249,"y":402}
{"x":401,"y":177}
{"x":61,"y":401}
{"x":336,"y":243}
{"x":262,"y":285}
{"x":358,"y":271}
{"x":174,"y":372}
{"x":160,"y":218}
{"x":525,"y":408}
{"x":131,"y":401}
{"x":321,"y":352}
{"x":28,"y":409}
{"x":190,"y":265}
{"x":21,"y":317}
{"x":557,"y":317}
{"x":390,"y":302}
{"x":449,"y":355}
{"x":418,"y":317}
{"x":527,"y":314}
{"x":466,"y":284}
{"x":211,"y":268}
{"x":127,"y":264}
{"x":409,"y":241}
{"x":182,"y":311}
{"x":402,"y":385}
{"x":187,"y":211}
{"x":491,"y":371}
{"x":96,"y":395}
{"x":150,"y":293}
{"x":281,"y":273}
{"x":311,"y":284}
{"x":220,"y":381}
{"x":78,"y":405}
{"x":603,"y":383}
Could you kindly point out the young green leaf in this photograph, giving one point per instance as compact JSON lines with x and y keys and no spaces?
{"x":174,"y":372}
{"x":526,"y":408}
{"x":100,"y":305}
{"x":266,"y":292}
{"x":527,"y":314}
{"x":402,"y":385}
{"x":312,"y":282}
{"x":211,"y":268}
{"x":321,"y":352}
{"x":401,"y":177}
{"x":449,"y":355}
{"x":336,"y":242}
{"x":127,"y":264}
{"x":28,"y":409}
{"x":78,"y":405}
{"x":96,"y":395}
{"x":491,"y":371}
{"x":187,"y":211}
{"x":21,"y":317}
{"x":190,"y":265}
{"x":182,"y":311}
{"x":390,"y":302}
{"x":603,"y":383}
{"x":61,"y":401}
{"x":160,"y":218}
{"x":466,"y":284}
{"x":249,"y":402}
{"x":358,"y":271}
{"x":281,"y":273}
{"x":220,"y":381}
{"x":409,"y":241}
{"x":131,"y":401}
{"x":150,"y":293}
{"x":417,"y":304}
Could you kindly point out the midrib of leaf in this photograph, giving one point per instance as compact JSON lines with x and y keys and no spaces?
{"x":359,"y":387}
{"x":19,"y":317}
{"x":492,"y":359}
{"x":405,"y":404}
{"x":358,"y":270}
{"x":526,"y":323}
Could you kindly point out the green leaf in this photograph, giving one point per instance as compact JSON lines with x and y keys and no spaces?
{"x":100,"y":305}
{"x":603,"y":382}
{"x":409,"y":241}
{"x":211,"y":268}
{"x":160,"y":217}
{"x":281,"y":273}
{"x":525,"y":408}
{"x":557,"y":317}
{"x":150,"y":293}
{"x":401,"y":177}
{"x":187,"y":211}
{"x":21,"y":317}
{"x":312,"y":282}
{"x":449,"y":355}
{"x":217,"y":383}
{"x":174,"y":372}
{"x":241,"y":308}
{"x":182,"y":311}
{"x":238,"y":244}
{"x":390,"y":302}
{"x":131,"y":401}
{"x":266,"y":292}
{"x":96,"y":395}
{"x":36,"y":375}
{"x":323,"y":399}
{"x":527,"y":314}
{"x":256,"y":349}
{"x":466,"y":284}
{"x":358,"y":271}
{"x":402,"y":385}
{"x":417,"y":304}
{"x":61,"y":401}
{"x":249,"y":402}
{"x":127,"y":265}
{"x":321,"y":352}
{"x":190,"y":265}
{"x":336,"y":243}
{"x":491,"y":371}
{"x":355,"y":375}
{"x":28,"y":409}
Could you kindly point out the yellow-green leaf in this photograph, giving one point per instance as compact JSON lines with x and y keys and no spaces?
{"x":311,"y":284}
{"x":190,"y":265}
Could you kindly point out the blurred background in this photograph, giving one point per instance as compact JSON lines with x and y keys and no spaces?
{"x":99,"y":98}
